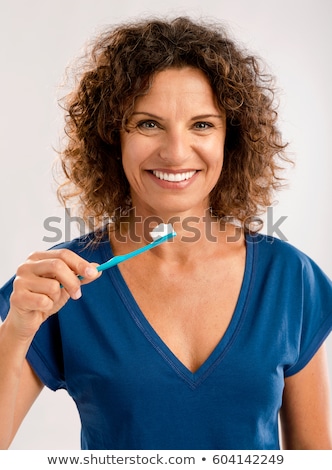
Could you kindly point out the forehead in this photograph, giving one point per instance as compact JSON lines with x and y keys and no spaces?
{"x":179,"y":84}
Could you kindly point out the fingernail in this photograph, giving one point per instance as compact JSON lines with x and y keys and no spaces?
{"x":77,"y":294}
{"x":90,"y":272}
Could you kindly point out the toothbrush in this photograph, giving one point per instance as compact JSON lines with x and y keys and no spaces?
{"x":158,"y":239}
{"x":159,"y":234}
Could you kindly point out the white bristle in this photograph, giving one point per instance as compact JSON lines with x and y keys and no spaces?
{"x":161,"y":230}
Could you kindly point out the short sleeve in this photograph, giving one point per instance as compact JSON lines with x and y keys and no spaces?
{"x":5,"y":293}
{"x":45,"y":353}
{"x":315,"y":323}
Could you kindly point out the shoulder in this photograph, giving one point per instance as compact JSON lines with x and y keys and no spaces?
{"x":274,"y":256}
{"x":274,"y":247}
{"x":272,"y":243}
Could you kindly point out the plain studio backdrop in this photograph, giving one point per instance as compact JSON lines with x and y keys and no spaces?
{"x":40,"y":38}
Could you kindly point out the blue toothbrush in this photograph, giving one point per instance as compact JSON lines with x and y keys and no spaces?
{"x":120,"y":258}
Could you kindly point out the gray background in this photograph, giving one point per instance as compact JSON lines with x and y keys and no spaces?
{"x":38,"y":39}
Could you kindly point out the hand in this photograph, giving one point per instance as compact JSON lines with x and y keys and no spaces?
{"x":43,"y":285}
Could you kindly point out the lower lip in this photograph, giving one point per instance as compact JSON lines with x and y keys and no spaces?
{"x":173,"y":184}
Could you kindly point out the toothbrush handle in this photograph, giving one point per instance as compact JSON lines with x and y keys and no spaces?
{"x":120,"y":258}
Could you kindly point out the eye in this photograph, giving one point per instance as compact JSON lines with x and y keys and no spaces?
{"x":202,"y":125}
{"x":146,"y":125}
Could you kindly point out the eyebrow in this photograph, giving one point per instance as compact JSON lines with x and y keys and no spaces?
{"x":194,"y":118}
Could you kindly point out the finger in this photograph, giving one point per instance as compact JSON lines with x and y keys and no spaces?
{"x":41,"y":286}
{"x":65,"y":266}
{"x":76,"y":263}
{"x":57,"y":270}
{"x":38,"y":285}
{"x":91,"y":274}
{"x":38,"y":293}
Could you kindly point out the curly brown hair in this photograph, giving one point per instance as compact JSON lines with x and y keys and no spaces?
{"x":120,"y":67}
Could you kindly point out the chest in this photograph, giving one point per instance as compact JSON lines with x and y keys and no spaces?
{"x":190,"y":310}
{"x":233,"y":392}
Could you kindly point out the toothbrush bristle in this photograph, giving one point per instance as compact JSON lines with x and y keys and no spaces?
{"x":161,"y":231}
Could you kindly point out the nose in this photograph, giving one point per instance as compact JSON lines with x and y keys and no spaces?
{"x":176,"y":147}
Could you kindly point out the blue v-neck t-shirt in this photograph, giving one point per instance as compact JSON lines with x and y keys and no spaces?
{"x":133,"y":393}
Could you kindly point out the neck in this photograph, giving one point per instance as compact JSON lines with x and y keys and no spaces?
{"x":138,"y":226}
{"x":197,"y":235}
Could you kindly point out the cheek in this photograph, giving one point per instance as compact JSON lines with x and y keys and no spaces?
{"x":135,"y":149}
{"x":214,"y":165}
{"x":214,"y":155}
{"x":130,"y":154}
{"x":134,"y":154}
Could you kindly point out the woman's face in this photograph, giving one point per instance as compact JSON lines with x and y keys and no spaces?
{"x":172,"y":152}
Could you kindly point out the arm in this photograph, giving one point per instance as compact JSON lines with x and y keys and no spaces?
{"x":306,"y":412}
{"x":36,"y":296}
{"x":19,"y":386}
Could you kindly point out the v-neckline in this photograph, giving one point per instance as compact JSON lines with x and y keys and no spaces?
{"x":193,"y":379}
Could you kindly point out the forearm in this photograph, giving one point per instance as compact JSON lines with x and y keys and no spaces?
{"x":12,"y":358}
{"x":306,"y":411}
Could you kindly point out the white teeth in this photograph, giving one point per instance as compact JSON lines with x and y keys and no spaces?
{"x":174,"y":177}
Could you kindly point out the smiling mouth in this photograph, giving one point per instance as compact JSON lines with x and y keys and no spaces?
{"x":174,"y":177}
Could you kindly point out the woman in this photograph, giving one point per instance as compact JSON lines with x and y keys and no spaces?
{"x":203,"y":341}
